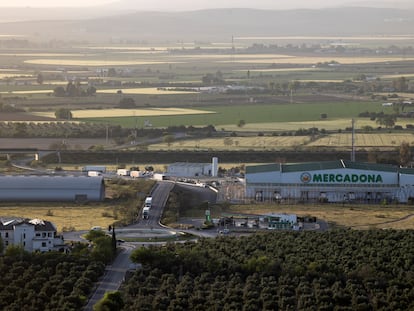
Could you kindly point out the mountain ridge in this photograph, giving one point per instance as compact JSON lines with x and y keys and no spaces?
{"x":221,"y":24}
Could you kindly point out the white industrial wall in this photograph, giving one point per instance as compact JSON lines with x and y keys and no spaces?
{"x":51,"y":188}
{"x":290,"y":185}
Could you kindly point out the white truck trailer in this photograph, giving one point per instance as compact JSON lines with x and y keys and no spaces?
{"x":94,"y":173}
{"x":147,"y":207}
{"x":136,"y":174}
{"x":122,"y":172}
{"x":96,"y":168}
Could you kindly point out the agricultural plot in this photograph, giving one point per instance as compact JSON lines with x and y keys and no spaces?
{"x":364,"y":140}
{"x":315,"y":60}
{"x":275,"y":116}
{"x":234,"y":143}
{"x":93,"y":62}
{"x":46,"y":143}
{"x":329,"y":125}
{"x":383,"y":140}
{"x":109,"y":113}
{"x":146,"y":90}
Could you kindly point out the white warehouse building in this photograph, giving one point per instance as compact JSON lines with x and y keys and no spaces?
{"x":51,"y":188}
{"x":185,"y":169}
{"x":333,"y":181}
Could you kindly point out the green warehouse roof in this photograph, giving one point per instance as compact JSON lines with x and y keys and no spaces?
{"x":316,"y":166}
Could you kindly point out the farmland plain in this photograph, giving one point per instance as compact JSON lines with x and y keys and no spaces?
{"x":137,"y":67}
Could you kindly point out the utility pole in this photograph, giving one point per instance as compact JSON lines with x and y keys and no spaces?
{"x":353,"y":141}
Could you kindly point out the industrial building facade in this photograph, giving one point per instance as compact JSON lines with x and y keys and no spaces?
{"x":51,"y":188}
{"x":334,"y":181}
{"x":186,"y":169}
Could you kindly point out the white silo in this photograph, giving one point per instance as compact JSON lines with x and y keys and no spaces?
{"x":214,"y":167}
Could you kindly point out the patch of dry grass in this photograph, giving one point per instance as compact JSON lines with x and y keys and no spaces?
{"x":93,"y":62}
{"x":235,"y":143}
{"x":365,"y":140}
{"x":107,"y":113}
{"x":146,"y":90}
{"x":77,"y":217}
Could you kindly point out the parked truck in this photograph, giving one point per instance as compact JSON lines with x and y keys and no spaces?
{"x":136,"y":174}
{"x":96,"y":168}
{"x":94,"y":173}
{"x":147,"y":207}
{"x":122,"y":172}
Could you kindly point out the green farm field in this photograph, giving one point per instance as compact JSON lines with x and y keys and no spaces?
{"x":339,"y":113}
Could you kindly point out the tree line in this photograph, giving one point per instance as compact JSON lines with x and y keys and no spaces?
{"x":49,"y":281}
{"x":336,"y":270}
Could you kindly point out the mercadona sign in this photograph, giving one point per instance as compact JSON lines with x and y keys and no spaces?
{"x":341,"y":178}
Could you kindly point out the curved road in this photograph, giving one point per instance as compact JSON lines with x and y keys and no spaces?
{"x":115,"y":273}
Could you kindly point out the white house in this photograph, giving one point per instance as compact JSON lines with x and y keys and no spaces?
{"x":32,"y":234}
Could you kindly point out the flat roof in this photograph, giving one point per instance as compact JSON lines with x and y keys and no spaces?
{"x":328,"y":165}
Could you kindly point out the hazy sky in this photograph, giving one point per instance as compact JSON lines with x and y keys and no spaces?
{"x":51,"y":3}
{"x":199,"y":4}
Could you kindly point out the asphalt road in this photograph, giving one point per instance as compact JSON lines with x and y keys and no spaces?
{"x":113,"y":277}
{"x":159,"y":195}
{"x":115,"y":273}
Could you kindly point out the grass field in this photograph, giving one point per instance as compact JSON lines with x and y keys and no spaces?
{"x":260,"y":113}
{"x":353,"y":216}
{"x":365,"y":140}
{"x":234,"y":143}
{"x":381,"y":140}
{"x":76,"y":217}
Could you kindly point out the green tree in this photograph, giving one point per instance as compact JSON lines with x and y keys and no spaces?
{"x":169,"y":139}
{"x":400,"y":84}
{"x":72,"y":90}
{"x":93,"y":235}
{"x":63,"y":113}
{"x":111,"y":72}
{"x":112,"y":301}
{"x":113,"y":241}
{"x":387,"y":120}
{"x":405,"y":153}
{"x":241,"y":123}
{"x":91,"y":91}
{"x":228,"y":141}
{"x":126,"y":103}
{"x":20,"y":129}
{"x":59,"y":91}
{"x":40,"y":79}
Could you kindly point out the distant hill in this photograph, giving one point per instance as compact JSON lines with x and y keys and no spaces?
{"x":221,"y":24}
